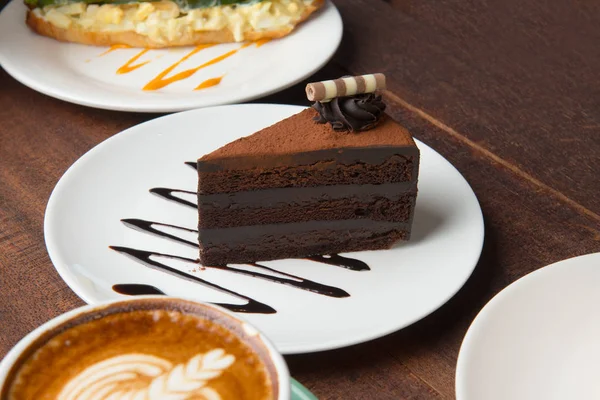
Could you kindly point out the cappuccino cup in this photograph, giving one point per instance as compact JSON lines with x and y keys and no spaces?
{"x":147,"y":348}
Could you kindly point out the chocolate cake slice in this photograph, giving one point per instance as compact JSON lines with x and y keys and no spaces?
{"x":300,"y":188}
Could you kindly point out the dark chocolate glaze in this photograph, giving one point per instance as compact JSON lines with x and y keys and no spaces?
{"x":167,"y":193}
{"x":136,"y":289}
{"x":147,"y":226}
{"x":144,"y":257}
{"x":339,"y":261}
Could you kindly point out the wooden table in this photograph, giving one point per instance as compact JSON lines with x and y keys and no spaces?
{"x":508,"y":91}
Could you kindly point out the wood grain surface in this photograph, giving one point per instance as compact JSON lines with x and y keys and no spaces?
{"x":508,"y":91}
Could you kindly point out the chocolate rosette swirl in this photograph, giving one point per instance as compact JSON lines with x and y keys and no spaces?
{"x":353,"y":113}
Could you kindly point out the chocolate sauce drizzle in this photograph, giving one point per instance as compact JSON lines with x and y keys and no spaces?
{"x":136,"y":289}
{"x":144,"y":257}
{"x":147,"y":226}
{"x":295,"y":281}
{"x":339,"y":261}
{"x":167,"y":193}
{"x":252,"y":306}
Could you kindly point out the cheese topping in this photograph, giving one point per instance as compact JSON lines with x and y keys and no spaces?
{"x":164,"y":21}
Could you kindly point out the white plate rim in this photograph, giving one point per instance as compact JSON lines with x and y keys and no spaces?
{"x":69,"y":277}
{"x":465,"y":350}
{"x":62,"y":94}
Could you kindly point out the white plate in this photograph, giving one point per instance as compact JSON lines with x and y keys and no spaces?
{"x":79,"y":74}
{"x":112,"y":180}
{"x":537,"y":339}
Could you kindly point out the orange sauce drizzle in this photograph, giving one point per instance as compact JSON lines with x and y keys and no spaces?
{"x":129,"y":66}
{"x":161,"y":81}
{"x":115,"y":47}
{"x":209,"y":83}
{"x":262,"y":42}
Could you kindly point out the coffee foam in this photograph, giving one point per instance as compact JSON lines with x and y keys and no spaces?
{"x":146,"y":377}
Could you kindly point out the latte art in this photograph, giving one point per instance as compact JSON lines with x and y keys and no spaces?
{"x":146,"y":349}
{"x":145,"y":377}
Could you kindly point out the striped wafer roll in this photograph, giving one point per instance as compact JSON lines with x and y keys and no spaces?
{"x":347,"y":86}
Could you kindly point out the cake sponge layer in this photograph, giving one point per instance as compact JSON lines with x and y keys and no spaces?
{"x":392,"y":168}
{"x":378,"y":208}
{"x":303,"y":244}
